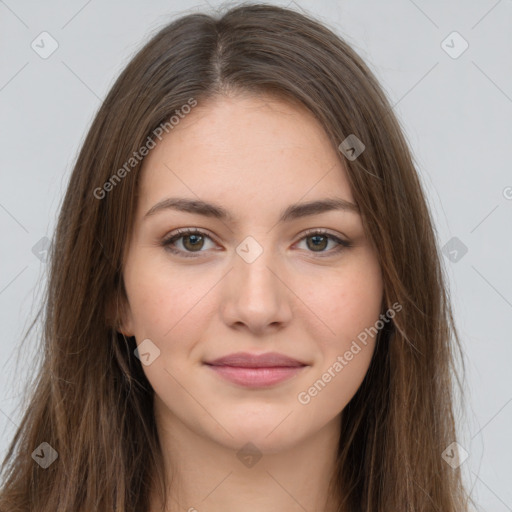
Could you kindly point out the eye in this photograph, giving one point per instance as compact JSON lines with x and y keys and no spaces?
{"x":193,"y":240}
{"x":318,"y":239}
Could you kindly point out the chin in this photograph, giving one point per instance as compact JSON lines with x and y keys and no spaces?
{"x":268,"y":436}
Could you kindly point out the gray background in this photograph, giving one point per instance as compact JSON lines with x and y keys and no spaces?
{"x":455,"y":110}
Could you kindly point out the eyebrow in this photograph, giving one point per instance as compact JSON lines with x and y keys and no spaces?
{"x":216,"y":211}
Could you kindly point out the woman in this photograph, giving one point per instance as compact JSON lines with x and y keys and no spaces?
{"x":246,"y":308}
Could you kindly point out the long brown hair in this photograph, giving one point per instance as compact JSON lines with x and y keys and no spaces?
{"x":90,"y":400}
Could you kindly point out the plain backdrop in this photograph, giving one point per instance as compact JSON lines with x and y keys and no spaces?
{"x":446,"y":68}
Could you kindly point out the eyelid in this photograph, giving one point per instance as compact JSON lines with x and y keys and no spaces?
{"x":324,"y":231}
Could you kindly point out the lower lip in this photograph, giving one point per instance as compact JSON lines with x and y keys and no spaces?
{"x":256,"y":377}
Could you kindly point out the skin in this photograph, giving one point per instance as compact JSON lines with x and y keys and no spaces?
{"x":254,"y":156}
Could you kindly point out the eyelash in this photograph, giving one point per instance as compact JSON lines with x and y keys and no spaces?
{"x":180,"y":233}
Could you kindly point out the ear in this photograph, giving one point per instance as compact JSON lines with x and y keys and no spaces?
{"x":118,"y":314}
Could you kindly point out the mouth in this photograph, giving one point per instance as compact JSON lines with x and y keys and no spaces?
{"x":256,"y":371}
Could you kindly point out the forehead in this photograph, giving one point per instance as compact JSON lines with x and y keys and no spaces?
{"x":244,"y":150}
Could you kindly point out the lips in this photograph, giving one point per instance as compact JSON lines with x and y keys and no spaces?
{"x":247,"y":360}
{"x":256,"y":370}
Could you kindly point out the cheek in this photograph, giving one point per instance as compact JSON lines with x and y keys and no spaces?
{"x":168,"y":307}
{"x":348,"y":302}
{"x":351,"y":305}
{"x":163,"y":299}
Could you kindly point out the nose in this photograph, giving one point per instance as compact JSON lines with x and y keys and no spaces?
{"x":255,"y":295}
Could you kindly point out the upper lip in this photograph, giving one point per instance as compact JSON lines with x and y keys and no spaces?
{"x":247,"y":360}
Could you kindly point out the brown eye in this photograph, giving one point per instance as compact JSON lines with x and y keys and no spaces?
{"x":195,"y":242}
{"x":317,"y":242}
{"x":192,"y":242}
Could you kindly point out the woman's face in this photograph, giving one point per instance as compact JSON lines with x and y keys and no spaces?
{"x":261,"y":278}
